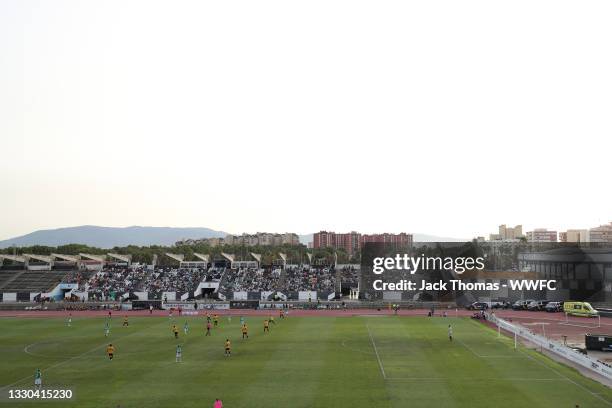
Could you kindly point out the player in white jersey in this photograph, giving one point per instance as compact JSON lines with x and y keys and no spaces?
{"x":179,"y":353}
{"x":450,"y":332}
{"x":38,"y":379}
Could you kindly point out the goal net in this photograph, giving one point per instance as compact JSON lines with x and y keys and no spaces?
{"x":588,"y":322}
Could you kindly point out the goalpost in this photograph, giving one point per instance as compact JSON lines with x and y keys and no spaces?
{"x":576,"y":323}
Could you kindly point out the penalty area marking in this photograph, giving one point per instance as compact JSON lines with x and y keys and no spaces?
{"x":560,"y":374}
{"x":477,"y":354}
{"x":60,"y":363}
{"x":27,"y":348}
{"x":380,"y":364}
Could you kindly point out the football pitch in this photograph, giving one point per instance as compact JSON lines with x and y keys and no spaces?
{"x":361,"y":361}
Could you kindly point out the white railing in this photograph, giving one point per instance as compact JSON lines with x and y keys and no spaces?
{"x":553,"y":346}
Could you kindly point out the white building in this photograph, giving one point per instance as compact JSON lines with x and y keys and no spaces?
{"x":574,"y":235}
{"x":603,"y":233}
{"x":507,"y":233}
{"x":541,"y":235}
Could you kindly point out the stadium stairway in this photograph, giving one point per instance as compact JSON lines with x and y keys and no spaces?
{"x":338,"y":283}
{"x":281,"y":279}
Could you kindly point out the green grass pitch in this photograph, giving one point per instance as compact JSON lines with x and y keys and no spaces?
{"x":303,"y":362}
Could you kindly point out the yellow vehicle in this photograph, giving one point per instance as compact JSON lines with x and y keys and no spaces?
{"x":579,"y":309}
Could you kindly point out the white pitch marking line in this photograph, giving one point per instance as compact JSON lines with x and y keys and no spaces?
{"x":472,"y":379}
{"x":566,"y":377}
{"x":479,"y":355}
{"x":380,"y":364}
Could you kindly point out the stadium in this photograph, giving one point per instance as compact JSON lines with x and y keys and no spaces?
{"x":291,"y":327}
{"x":278,"y":204}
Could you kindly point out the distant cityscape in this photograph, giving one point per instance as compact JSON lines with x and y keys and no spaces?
{"x":257,"y":239}
{"x":602,"y":233}
{"x":352,"y":242}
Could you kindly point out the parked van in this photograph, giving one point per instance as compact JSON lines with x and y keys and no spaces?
{"x":579,"y":309}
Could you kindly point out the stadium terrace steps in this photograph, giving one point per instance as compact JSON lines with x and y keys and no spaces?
{"x":8,"y":276}
{"x":33,"y":281}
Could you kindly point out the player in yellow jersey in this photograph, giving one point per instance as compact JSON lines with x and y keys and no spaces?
{"x":125,"y":321}
{"x":175,"y":331}
{"x":110,"y":350}
{"x":245,"y":331}
{"x":266,"y":326}
{"x":228,"y":348}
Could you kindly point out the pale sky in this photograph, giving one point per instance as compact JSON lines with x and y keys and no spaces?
{"x":440,"y":117}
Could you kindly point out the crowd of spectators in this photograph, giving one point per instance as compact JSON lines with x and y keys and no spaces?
{"x":310,"y":278}
{"x":251,"y":280}
{"x":112,"y":282}
{"x":174,"y":280}
{"x":75,"y":276}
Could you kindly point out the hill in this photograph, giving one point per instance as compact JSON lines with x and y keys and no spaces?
{"x":109,"y":237}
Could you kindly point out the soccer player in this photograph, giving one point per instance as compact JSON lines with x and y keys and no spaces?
{"x":450,"y":332}
{"x":208,"y":327}
{"x":186,"y":328}
{"x":170,"y":314}
{"x":38,"y":379}
{"x":150,"y":309}
{"x":266,"y":326}
{"x":228,"y":348}
{"x":272,"y":319}
{"x":69,"y":319}
{"x":245,"y":331}
{"x":107,"y":329}
{"x":242,"y":320}
{"x":110,"y":314}
{"x":125,"y":321}
{"x":175,"y":331}
{"x":110,"y":350}
{"x":218,"y":403}
{"x":216,"y":319}
{"x":179,"y":353}
{"x":281,"y":314}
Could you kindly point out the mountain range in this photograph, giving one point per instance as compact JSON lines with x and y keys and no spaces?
{"x":109,"y":237}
